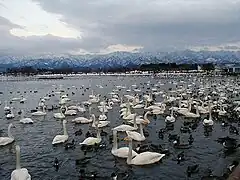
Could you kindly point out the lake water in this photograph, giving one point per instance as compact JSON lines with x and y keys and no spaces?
{"x":38,"y":154}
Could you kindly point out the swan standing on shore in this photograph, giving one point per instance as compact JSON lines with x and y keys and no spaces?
{"x":7,"y":140}
{"x":61,"y":138}
{"x":19,"y":173}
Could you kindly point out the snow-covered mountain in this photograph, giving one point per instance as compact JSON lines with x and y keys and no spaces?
{"x":118,"y":59}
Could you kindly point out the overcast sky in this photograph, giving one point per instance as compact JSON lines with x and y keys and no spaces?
{"x":103,"y":26}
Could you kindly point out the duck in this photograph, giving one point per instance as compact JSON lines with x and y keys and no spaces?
{"x":120,"y":152}
{"x":19,"y":173}
{"x":78,"y":132}
{"x":192,"y":169}
{"x":70,"y":145}
{"x":56,"y":164}
{"x":144,"y":158}
{"x":61,"y":138}
{"x":180,"y":157}
{"x":24,"y":120}
{"x":7,"y":140}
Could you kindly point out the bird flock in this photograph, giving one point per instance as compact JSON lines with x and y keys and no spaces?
{"x":201,"y":101}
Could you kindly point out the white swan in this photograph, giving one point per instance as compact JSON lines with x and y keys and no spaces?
{"x":135,"y":135}
{"x":40,"y":113}
{"x":59,"y":115}
{"x":209,"y":121}
{"x":139,"y":120}
{"x":120,"y":152}
{"x":6,"y":107}
{"x":124,"y":127}
{"x":81,"y":109}
{"x":100,"y":123}
{"x":70,"y":112}
{"x":83,"y":120}
{"x":102,"y":117}
{"x":93,"y":140}
{"x":10,"y":115}
{"x":25,"y":120}
{"x":171,"y":118}
{"x":7,"y":140}
{"x":143,"y":158}
{"x":19,"y":173}
{"x":61,"y":138}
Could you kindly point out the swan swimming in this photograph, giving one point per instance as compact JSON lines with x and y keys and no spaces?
{"x":19,"y":173}
{"x":61,"y":138}
{"x":143,"y":158}
{"x":120,"y":152}
{"x":7,"y":140}
{"x":25,"y":120}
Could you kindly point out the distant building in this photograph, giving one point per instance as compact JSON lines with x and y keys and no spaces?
{"x":233,"y":68}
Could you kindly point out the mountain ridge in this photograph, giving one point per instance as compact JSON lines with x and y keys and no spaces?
{"x":119,"y":59}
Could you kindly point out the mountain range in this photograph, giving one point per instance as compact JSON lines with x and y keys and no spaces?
{"x":118,"y":59}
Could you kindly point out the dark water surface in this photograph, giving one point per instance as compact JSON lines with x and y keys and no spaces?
{"x":38,"y":154}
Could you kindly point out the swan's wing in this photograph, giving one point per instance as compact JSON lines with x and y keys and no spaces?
{"x":123,"y":152}
{"x":90,"y":141}
{"x":147,"y":158}
{"x":5,"y":140}
{"x":59,"y":139}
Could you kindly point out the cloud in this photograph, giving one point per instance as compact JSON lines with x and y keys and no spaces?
{"x":149,"y":25}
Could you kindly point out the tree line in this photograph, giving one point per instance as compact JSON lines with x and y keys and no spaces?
{"x":161,"y":67}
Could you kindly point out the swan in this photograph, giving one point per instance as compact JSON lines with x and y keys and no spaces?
{"x":102,"y":117}
{"x":61,"y":138}
{"x":100,"y":123}
{"x":6,"y":107}
{"x":70,"y":112}
{"x":7,"y":140}
{"x":120,"y":152}
{"x":222,"y":111}
{"x":40,"y":113}
{"x":19,"y":173}
{"x":10,"y":115}
{"x":135,"y":135}
{"x":83,"y":120}
{"x":93,"y":140}
{"x":138,"y":106}
{"x":171,"y":118}
{"x":25,"y":120}
{"x":59,"y":115}
{"x":139,"y":120}
{"x":192,"y":115}
{"x":81,"y":109}
{"x":143,"y":158}
{"x":124,"y":127}
{"x":209,"y":121}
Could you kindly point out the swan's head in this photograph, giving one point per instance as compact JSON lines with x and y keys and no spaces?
{"x":17,"y":148}
{"x":11,"y":125}
{"x":64,"y":121}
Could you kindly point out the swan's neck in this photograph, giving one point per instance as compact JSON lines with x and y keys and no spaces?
{"x":146,"y":104}
{"x":129,"y":159}
{"x":135,"y":121}
{"x":115,"y":145}
{"x":18,"y":166}
{"x":90,"y":112}
{"x":197,"y":110}
{"x":189,"y":106}
{"x":6,"y":104}
{"x":172,"y":112}
{"x":145,"y":116}
{"x":64,"y":129}
{"x":210,"y":113}
{"x":98,"y":133}
{"x":141,"y":130}
{"x":22,"y":115}
{"x":9,"y":132}
{"x":179,"y":103}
